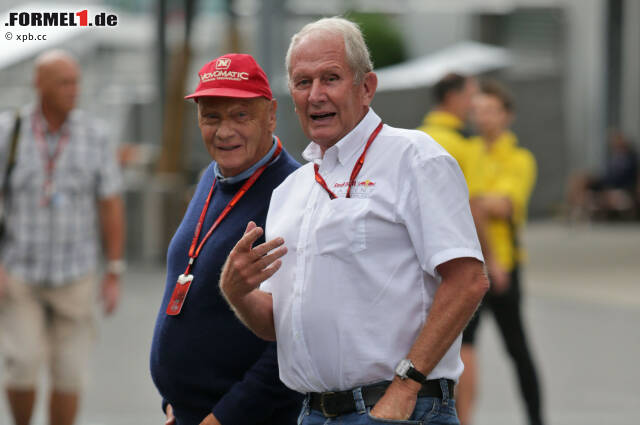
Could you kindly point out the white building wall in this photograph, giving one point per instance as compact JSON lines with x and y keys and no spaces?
{"x":426,"y":32}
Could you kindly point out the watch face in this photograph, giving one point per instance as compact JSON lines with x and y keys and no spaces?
{"x":402,"y":368}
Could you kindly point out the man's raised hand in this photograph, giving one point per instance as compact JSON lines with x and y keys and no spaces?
{"x":247,"y":266}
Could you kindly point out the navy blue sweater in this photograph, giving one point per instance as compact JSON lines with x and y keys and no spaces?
{"x":204,"y":360}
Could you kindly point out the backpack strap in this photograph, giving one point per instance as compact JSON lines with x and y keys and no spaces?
{"x":11,"y":162}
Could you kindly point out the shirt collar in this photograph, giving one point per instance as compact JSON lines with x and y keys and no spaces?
{"x":36,"y":109}
{"x":349,"y":145}
{"x":506,"y":141}
{"x":249,"y":171}
{"x":443,"y":119}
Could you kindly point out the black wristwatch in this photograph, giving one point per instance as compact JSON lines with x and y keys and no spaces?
{"x":405,"y":369}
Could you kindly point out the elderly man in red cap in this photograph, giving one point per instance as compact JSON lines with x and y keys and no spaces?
{"x":207,"y":366}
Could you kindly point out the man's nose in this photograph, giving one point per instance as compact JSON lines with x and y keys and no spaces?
{"x":225,"y":130}
{"x":317,"y":93}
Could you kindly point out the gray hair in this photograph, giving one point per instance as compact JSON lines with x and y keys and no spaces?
{"x":356,"y":51}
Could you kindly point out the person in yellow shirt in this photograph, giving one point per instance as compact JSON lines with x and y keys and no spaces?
{"x":509,"y":174}
{"x":446,"y":123}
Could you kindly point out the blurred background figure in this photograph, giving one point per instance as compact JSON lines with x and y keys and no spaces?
{"x":613,"y":194}
{"x":447,"y":123}
{"x":508,"y":178}
{"x":65,"y":178}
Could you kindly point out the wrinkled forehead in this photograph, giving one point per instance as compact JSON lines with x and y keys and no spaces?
{"x":223,"y":102}
{"x":318,"y":46}
{"x":58,"y":68}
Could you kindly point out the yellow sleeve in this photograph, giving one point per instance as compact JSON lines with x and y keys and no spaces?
{"x":452,"y":143}
{"x":518,"y":184}
{"x":474,"y":168}
{"x":468,"y":153}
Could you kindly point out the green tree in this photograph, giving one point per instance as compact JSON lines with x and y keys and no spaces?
{"x":383,"y":38}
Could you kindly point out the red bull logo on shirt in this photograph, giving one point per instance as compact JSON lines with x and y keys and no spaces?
{"x":359,"y":188}
{"x":355,"y":183}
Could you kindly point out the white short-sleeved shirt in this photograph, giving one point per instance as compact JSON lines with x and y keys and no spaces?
{"x":357,"y":283}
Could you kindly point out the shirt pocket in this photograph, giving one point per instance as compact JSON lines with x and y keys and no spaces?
{"x":342,"y":227}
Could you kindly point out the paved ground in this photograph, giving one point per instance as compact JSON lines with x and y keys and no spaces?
{"x":582,"y":310}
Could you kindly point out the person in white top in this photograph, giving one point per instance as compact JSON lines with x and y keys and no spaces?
{"x":382,"y":267}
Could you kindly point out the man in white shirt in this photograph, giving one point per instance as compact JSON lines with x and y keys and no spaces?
{"x":383,"y":266}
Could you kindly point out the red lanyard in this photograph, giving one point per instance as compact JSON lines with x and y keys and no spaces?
{"x":356,"y":168}
{"x":50,"y":159}
{"x":194,"y":250}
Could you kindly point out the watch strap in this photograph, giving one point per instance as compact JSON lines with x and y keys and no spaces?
{"x":416,"y":375}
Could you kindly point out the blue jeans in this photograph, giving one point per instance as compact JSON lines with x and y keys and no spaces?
{"x":428,"y":411}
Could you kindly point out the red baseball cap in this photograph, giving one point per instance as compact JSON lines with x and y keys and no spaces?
{"x":232,"y":75}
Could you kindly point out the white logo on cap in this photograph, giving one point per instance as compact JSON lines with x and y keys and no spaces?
{"x":223,"y":63}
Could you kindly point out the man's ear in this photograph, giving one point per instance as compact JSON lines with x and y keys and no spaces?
{"x":198,"y":106}
{"x":369,"y":86}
